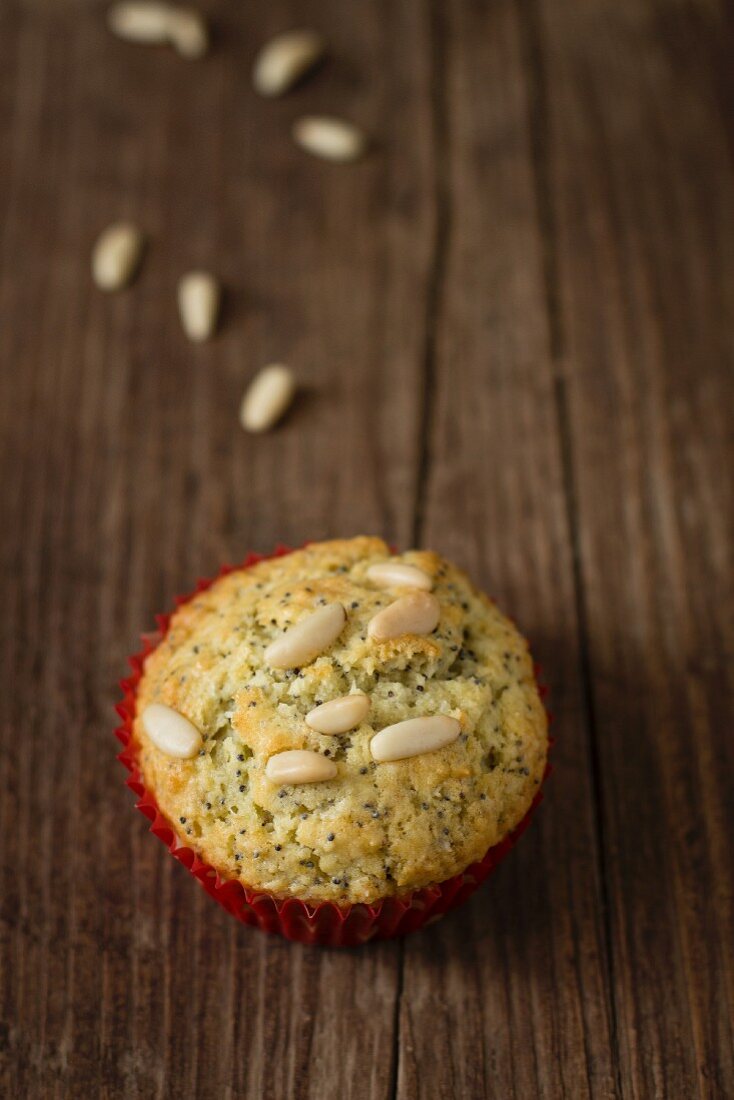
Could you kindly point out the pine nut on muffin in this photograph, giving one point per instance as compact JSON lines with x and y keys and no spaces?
{"x":341,"y":723}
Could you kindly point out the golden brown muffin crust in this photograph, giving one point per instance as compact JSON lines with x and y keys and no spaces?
{"x":376,"y":829}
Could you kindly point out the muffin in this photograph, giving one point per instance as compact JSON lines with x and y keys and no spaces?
{"x":339,"y":725}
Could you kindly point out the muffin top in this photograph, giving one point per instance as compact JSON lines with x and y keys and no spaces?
{"x":240,"y":761}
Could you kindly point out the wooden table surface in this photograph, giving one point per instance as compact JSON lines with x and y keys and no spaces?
{"x":513,"y":327}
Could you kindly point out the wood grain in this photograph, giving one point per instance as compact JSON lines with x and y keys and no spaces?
{"x":512,"y":324}
{"x":642,"y":197}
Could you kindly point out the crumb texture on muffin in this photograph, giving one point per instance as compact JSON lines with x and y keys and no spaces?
{"x":375,"y":829}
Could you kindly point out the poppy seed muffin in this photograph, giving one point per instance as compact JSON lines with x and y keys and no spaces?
{"x":232,"y":747}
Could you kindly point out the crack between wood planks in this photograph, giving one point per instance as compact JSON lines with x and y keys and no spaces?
{"x":395,"y":1062}
{"x":439,"y":35}
{"x":589,"y":708}
{"x":539,"y":129}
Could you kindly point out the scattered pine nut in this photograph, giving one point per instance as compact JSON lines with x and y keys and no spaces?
{"x":329,"y":138}
{"x":170,"y":731}
{"x":413,"y":737}
{"x":285,"y":60}
{"x":138,"y":21}
{"x":339,"y":715}
{"x":299,"y":766}
{"x":156,"y":23}
{"x":198,"y":302}
{"x":116,"y":256}
{"x":417,"y":613}
{"x":308,"y":638}
{"x":396,"y":574}
{"x":267,"y":398}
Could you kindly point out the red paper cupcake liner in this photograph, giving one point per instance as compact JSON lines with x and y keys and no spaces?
{"x":325,"y":923}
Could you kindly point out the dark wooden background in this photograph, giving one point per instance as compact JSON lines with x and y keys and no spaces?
{"x":514,"y":325}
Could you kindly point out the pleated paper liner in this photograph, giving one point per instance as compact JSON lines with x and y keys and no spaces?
{"x":325,"y":923}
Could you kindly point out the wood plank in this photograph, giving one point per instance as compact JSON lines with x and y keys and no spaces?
{"x":643,"y":193}
{"x":512,"y":324}
{"x":508,"y":997}
{"x":127,"y":475}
